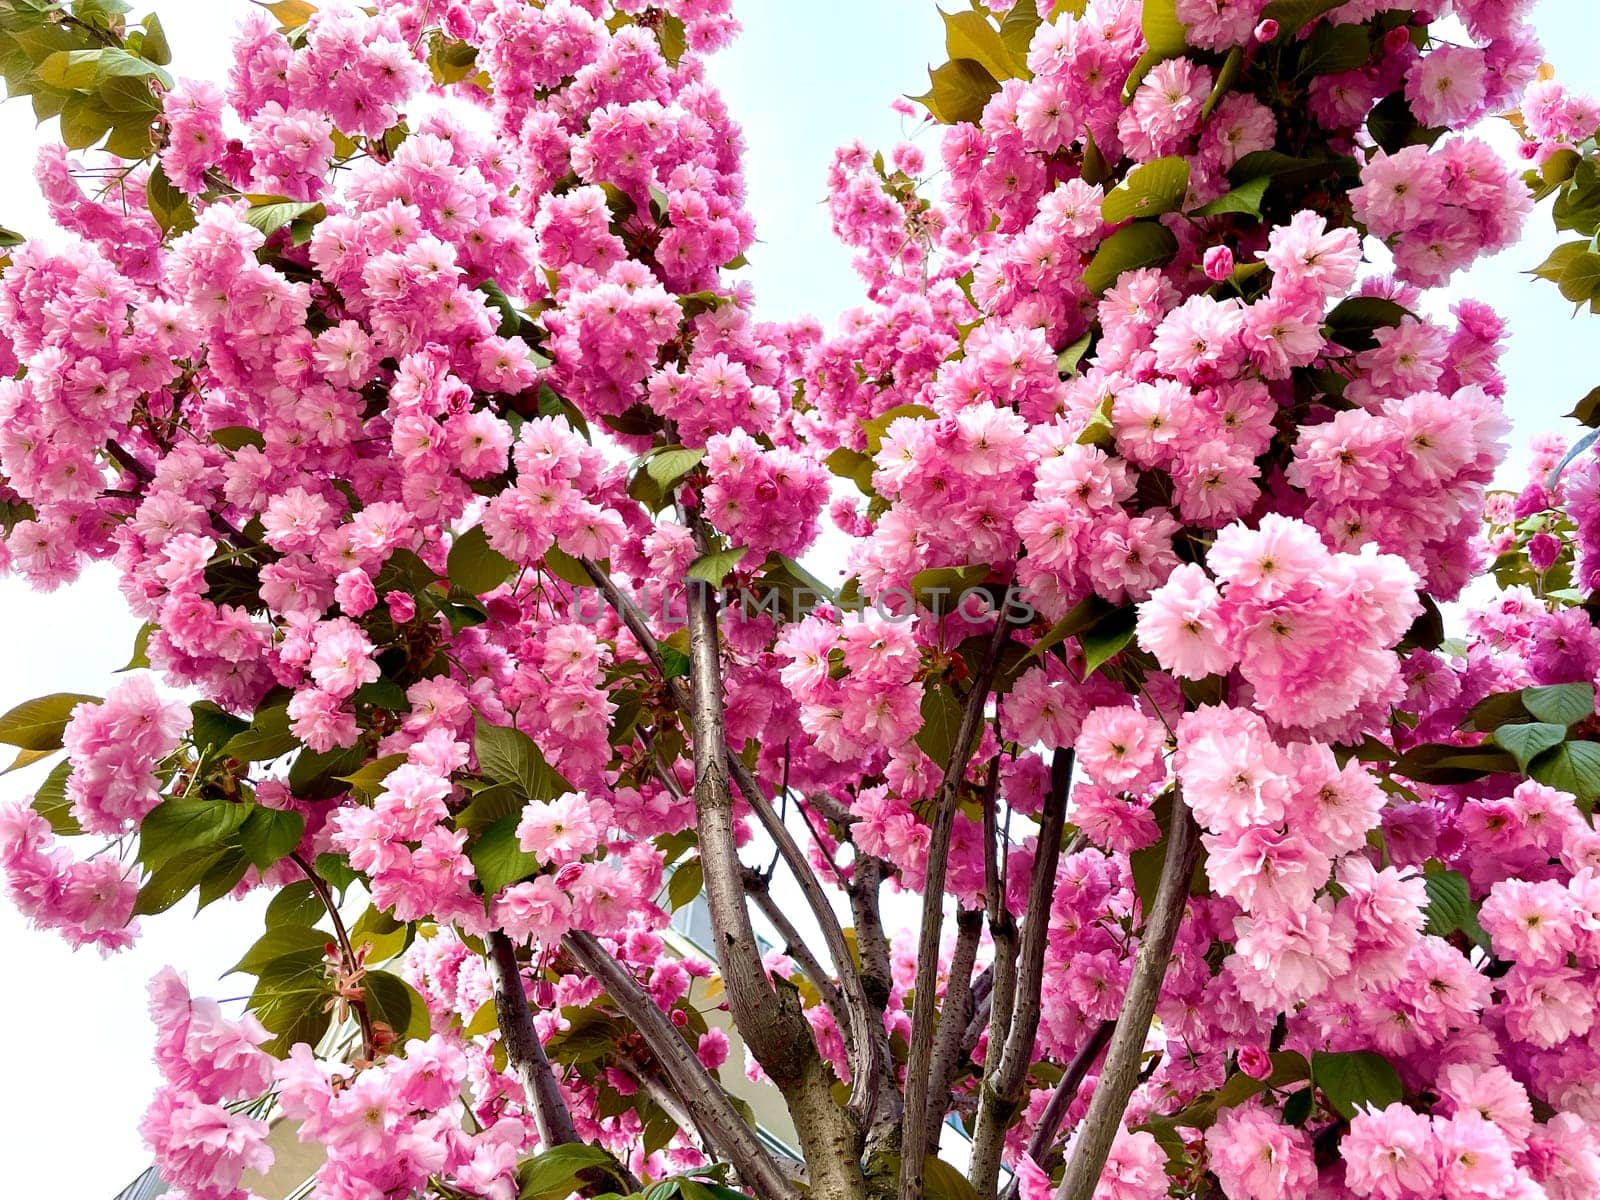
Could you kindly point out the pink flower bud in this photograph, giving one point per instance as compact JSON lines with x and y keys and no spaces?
{"x":680,"y":1018}
{"x":1543,"y":550}
{"x":1397,"y":39}
{"x":569,"y":875}
{"x":1218,"y":263}
{"x":1267,"y":30}
{"x":1255,"y":1062}
{"x":402,"y":606}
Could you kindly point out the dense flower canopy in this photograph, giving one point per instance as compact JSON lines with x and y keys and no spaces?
{"x":409,"y":383}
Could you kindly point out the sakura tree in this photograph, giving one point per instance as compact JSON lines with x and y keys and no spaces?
{"x":410,"y":385}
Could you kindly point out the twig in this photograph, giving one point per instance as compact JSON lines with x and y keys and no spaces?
{"x":701,"y":1094}
{"x":1005,"y":1081}
{"x":917,"y":1133}
{"x":1055,"y":1110}
{"x":351,"y":965}
{"x":1120,"y":1072}
{"x":524,"y":1052}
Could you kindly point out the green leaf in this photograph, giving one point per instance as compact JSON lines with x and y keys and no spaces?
{"x":213,"y":727}
{"x":566,"y":568}
{"x":1571,"y":767}
{"x":676,"y":662}
{"x":76,"y":70}
{"x":1163,"y":32}
{"x":177,"y":826}
{"x":291,"y":999}
{"x":1232,"y":66}
{"x":237,"y":437}
{"x":941,"y":1181}
{"x":270,"y":834}
{"x":713,"y":568}
{"x":155,"y":46}
{"x":271,"y":213}
{"x":1083,"y":615}
{"x":1351,"y":322}
{"x":170,"y":208}
{"x":507,"y":755}
{"x":941,"y":589}
{"x":1561,"y":703}
{"x":1580,"y":278}
{"x":688,"y":879}
{"x":278,"y":941}
{"x":40,"y":723}
{"x":854,"y":466}
{"x":369,"y":779}
{"x":1294,"y":15}
{"x":396,"y":1003}
{"x":475,"y":565}
{"x":295,"y":904}
{"x":175,"y":878}
{"x":1017,"y":28}
{"x":941,"y":723}
{"x":1068,"y":360}
{"x":493,"y":804}
{"x":267,"y":738}
{"x":1107,"y":638}
{"x":1559,"y":259}
{"x":1150,"y":189}
{"x":510,"y":318}
{"x":1332,"y":49}
{"x":382,"y":935}
{"x":497,"y":857}
{"x":315,"y":776}
{"x":1142,"y":244}
{"x":1450,"y":908}
{"x":1355,"y":1079}
{"x":50,"y":801}
{"x":1526,"y":742}
{"x":1444,"y":763}
{"x":1244,"y":199}
{"x":1587,"y":410}
{"x":556,"y":1173}
{"x":670,"y":464}
{"x":968,"y":35}
{"x":958,"y":91}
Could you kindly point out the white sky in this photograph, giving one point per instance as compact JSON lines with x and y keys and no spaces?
{"x":802,"y":79}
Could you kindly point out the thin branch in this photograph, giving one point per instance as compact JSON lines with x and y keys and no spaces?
{"x":1120,"y":1073}
{"x":351,"y":965}
{"x":768,"y":1013}
{"x":756,"y":884}
{"x":917,"y":1133}
{"x":877,"y":981}
{"x":1055,"y":1110}
{"x":955,"y":1014}
{"x":1004,"y":1085}
{"x":867,"y":1064}
{"x":524,"y":1052}
{"x":701,"y":1094}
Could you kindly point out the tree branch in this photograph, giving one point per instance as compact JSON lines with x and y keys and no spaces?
{"x":768,"y":1015}
{"x":1066,"y":1091}
{"x":915,"y":1138}
{"x":347,"y":953}
{"x":701,"y":1094}
{"x":755,"y":883}
{"x":866,"y":1062}
{"x":1005,"y":1081}
{"x":955,"y":1014}
{"x":524,"y":1052}
{"x":1120,"y":1072}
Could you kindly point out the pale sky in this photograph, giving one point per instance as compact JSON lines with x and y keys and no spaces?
{"x":802,"y":79}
